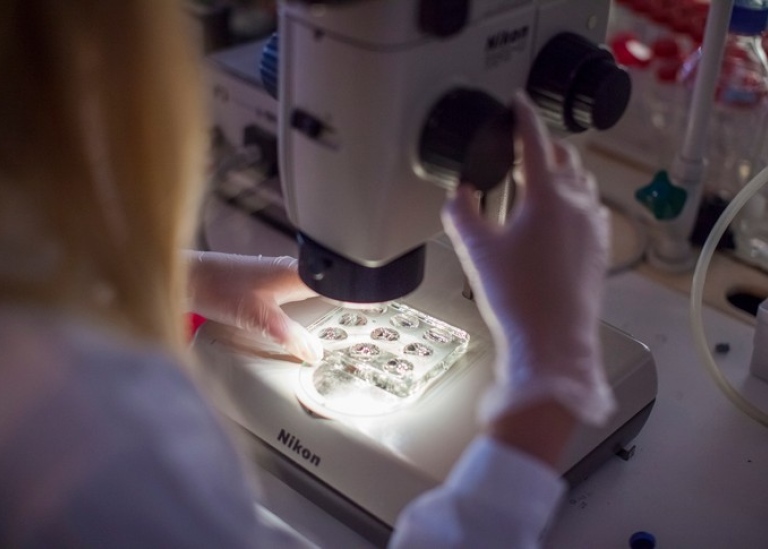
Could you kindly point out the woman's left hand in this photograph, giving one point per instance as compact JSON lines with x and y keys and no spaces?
{"x":246,"y":292}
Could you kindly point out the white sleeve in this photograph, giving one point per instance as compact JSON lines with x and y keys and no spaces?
{"x":494,"y":497}
{"x":106,"y":447}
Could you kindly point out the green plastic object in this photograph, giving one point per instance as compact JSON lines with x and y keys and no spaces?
{"x":663,"y":199}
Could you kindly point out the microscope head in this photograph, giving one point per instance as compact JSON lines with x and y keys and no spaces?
{"x":386,"y":104}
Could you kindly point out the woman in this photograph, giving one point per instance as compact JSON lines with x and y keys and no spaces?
{"x":103,"y":439}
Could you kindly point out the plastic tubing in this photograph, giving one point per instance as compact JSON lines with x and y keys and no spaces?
{"x":697,"y":293}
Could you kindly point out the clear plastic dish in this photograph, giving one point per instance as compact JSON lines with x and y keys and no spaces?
{"x":377,"y":360}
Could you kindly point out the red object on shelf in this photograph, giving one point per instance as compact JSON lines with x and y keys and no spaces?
{"x":666,"y":48}
{"x":668,"y":73}
{"x":629,"y":51}
{"x":194,"y":321}
{"x":661,"y":12}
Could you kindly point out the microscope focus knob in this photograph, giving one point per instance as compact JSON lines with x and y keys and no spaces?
{"x":578,"y":85}
{"x":468,"y":137}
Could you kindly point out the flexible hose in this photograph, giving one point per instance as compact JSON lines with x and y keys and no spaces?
{"x":697,"y":293}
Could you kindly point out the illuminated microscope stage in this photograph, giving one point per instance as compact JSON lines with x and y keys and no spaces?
{"x":365,"y":468}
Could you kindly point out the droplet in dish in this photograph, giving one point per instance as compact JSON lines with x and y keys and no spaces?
{"x":398,"y":367}
{"x":353,"y":319}
{"x":376,"y":311}
{"x":405,"y":320}
{"x":438,"y":335}
{"x":332,"y":334}
{"x":364,"y":351}
{"x":418,"y":349}
{"x":385,"y":334}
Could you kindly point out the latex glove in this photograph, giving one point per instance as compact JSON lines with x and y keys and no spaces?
{"x":246,"y":292}
{"x":538,"y":280}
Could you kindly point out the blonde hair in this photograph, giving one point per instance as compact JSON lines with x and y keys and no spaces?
{"x":101,"y":155}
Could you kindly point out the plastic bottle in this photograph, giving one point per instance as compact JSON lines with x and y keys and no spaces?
{"x":660,"y":13}
{"x":736,"y":139}
{"x":666,"y":100}
{"x":639,"y":19}
{"x":695,"y":25}
{"x":738,"y":134}
{"x":687,"y":22}
{"x":632,"y":135}
{"x":620,"y":17}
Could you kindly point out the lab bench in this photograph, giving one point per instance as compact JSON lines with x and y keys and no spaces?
{"x":698,"y":476}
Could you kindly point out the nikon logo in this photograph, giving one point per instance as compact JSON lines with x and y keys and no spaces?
{"x":294,"y":444}
{"x":505,"y":38}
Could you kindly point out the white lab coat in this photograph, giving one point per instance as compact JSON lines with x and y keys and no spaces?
{"x":107,"y":443}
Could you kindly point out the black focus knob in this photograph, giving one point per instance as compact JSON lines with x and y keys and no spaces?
{"x":268,"y":65}
{"x":468,"y":137}
{"x":578,"y":85}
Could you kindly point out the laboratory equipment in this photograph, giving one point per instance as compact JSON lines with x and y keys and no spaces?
{"x":651,"y":39}
{"x":736,"y":141}
{"x":674,"y":201}
{"x":355,"y":78}
{"x":724,"y":141}
{"x":377,"y":360}
{"x":751,"y":14}
{"x":367,"y":90}
{"x":365,"y":467}
{"x":759,"y":363}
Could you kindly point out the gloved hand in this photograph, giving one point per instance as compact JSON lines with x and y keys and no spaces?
{"x":246,"y":292}
{"x":538,"y":280}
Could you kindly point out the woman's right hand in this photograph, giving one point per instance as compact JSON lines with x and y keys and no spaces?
{"x":538,"y":279}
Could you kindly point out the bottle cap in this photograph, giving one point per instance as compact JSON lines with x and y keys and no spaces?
{"x":680,"y":20}
{"x":660,"y":12}
{"x":696,"y":26}
{"x":750,"y":21}
{"x":699,"y":6}
{"x":668,"y":72}
{"x":642,"y":540}
{"x":666,"y":48}
{"x":640,"y":6}
{"x":630,"y":52}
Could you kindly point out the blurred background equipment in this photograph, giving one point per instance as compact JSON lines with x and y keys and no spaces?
{"x":225,"y":23}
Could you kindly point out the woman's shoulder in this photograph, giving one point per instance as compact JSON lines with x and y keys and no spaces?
{"x":45,"y":350}
{"x":103,"y":422}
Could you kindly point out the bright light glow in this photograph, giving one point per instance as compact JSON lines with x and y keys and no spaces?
{"x":377,"y":359}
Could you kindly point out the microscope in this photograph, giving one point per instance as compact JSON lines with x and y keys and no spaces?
{"x":383,"y":106}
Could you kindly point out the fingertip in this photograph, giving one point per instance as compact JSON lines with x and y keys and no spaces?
{"x":531,"y":128}
{"x":567,"y":157}
{"x":286,"y":262}
{"x":524,"y":109}
{"x":302,"y":344}
{"x":464,"y":188}
{"x":522,"y":99}
{"x":459,"y":210}
{"x":459,"y":199}
{"x":316,"y":350}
